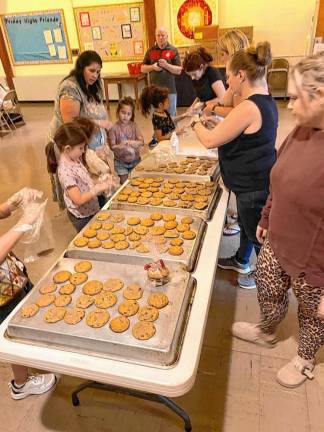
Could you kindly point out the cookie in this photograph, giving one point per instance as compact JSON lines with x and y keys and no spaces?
{"x":119,"y":324}
{"x":171,"y":234}
{"x":94,"y":244}
{"x":132,"y":199}
{"x":175,"y":250}
{"x":29,"y":311}
{"x":143,"y":201}
{"x":103,"y":236}
{"x":117,"y":237}
{"x":113,"y":284}
{"x":122,"y":197}
{"x":134,"y":237}
{"x":200,"y":205}
{"x":84,"y":301}
{"x":78,"y":278}
{"x":128,"y":231}
{"x":127,"y":191}
{"x":121,"y":245}
{"x":83,"y":266}
{"x":141,"y":248}
{"x":156,"y":201}
{"x":48,"y":288}
{"x":105,"y":300}
{"x":108,"y":226}
{"x":156,"y":216}
{"x":147,"y":222}
{"x":170,"y":225}
{"x":133,"y":220}
{"x":95,"y":225}
{"x":73,"y":316}
{"x":67,"y":289}
{"x":188,"y":235}
{"x":146,"y":194}
{"x":54,"y":314}
{"x":118,"y":217}
{"x":169,"y":203}
{"x":92,"y":287}
{"x":117,"y":230}
{"x":80,"y":241}
{"x":157,"y":230}
{"x":143,"y":330}
{"x":128,"y":308}
{"x":183,"y":227}
{"x":45,"y":300}
{"x":159,"y":240}
{"x":158,"y":300}
{"x":187,"y":220}
{"x":102,"y":216}
{"x":148,"y":313}
{"x":133,"y":292}
{"x":142,"y":230}
{"x":97,"y":318}
{"x":148,"y":180}
{"x":200,"y":198}
{"x":169,"y":217}
{"x":62,"y":300}
{"x":61,"y":276}
{"x":89,"y":233}
{"x":108,"y":244}
{"x":176,"y":242}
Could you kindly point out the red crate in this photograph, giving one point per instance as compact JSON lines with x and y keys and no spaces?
{"x":134,"y":68}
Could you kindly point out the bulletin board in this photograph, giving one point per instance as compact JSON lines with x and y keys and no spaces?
{"x":116,"y":32}
{"x":37,"y":37}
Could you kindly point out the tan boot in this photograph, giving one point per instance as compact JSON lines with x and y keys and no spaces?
{"x":297,"y":371}
{"x":252,"y":333}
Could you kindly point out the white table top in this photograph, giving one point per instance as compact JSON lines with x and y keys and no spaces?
{"x":172,"y":382}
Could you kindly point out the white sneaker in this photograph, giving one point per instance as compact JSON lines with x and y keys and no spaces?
{"x":252,"y":333}
{"x":35,"y":385}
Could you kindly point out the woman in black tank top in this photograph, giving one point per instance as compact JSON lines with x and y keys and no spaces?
{"x":246,"y":146}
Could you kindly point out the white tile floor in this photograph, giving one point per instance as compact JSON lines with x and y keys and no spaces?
{"x":235,"y":389}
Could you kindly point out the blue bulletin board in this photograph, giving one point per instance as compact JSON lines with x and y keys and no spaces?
{"x":37,"y":37}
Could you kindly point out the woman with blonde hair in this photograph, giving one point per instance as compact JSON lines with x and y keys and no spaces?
{"x":291,"y":229}
{"x":246,"y":148}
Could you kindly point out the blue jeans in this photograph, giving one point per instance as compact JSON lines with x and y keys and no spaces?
{"x":173,"y":104}
{"x":249,"y":207}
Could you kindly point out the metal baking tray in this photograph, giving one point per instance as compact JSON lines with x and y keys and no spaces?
{"x":162,"y":350}
{"x":205,"y":214}
{"x":188,"y":259}
{"x":147,"y":167}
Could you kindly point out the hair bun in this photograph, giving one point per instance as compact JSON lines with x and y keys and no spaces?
{"x":263,"y":54}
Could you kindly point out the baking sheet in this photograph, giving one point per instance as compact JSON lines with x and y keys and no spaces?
{"x":204,"y":214}
{"x":188,"y":259}
{"x":162,"y":350}
{"x":149,"y":167}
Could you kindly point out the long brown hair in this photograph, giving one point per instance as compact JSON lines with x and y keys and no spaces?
{"x":152,"y":96}
{"x":253,"y":61}
{"x":195,"y":59}
{"x":70,"y":134}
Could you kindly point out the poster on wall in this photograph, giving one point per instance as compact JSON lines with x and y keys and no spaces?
{"x":188,"y":14}
{"x":117,"y":31}
{"x":37,"y":37}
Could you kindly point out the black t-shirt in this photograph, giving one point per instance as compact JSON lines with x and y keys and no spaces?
{"x":165,"y":124}
{"x":203,"y":86}
{"x":163,"y":78}
{"x":246,"y":161}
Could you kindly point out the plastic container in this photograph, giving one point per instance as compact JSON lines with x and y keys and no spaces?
{"x":134,"y":68}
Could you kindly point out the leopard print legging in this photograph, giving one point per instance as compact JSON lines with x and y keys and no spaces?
{"x":273,"y":284}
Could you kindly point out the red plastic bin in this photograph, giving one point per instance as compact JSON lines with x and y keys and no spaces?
{"x":134,"y":68}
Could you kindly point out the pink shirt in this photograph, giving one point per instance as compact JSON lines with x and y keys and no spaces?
{"x":72,"y":174}
{"x":120,"y":133}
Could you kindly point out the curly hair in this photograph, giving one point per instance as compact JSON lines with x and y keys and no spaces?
{"x":152,"y":96}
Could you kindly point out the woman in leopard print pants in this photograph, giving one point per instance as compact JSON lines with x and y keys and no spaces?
{"x":291,"y":229}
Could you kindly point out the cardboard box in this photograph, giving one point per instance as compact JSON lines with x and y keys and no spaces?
{"x":205,"y":32}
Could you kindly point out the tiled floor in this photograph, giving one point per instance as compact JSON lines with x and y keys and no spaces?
{"x":235,"y":389}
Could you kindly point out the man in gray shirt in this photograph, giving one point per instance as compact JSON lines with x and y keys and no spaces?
{"x":162,"y":61}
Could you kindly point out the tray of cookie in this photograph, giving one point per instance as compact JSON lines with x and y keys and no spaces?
{"x":157,"y":193}
{"x":192,"y":168}
{"x":107,"y":309}
{"x":124,"y":236}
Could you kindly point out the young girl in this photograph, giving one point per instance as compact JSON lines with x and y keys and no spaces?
{"x":80,"y":193}
{"x":125,"y":139}
{"x":163,"y":124}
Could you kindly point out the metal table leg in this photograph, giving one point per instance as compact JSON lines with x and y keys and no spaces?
{"x":135,"y":393}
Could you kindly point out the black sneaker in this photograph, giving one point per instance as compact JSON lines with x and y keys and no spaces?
{"x":232,"y":264}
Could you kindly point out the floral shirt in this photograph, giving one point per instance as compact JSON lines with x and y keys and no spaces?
{"x":73,"y":174}
{"x":69,"y":89}
{"x":120,"y":133}
{"x":164,"y":124}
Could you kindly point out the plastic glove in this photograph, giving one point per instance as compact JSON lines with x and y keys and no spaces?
{"x":99,"y":188}
{"x":31,"y":214}
{"x":23,"y":197}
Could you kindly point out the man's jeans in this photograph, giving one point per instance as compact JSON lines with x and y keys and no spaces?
{"x":249,"y":207}
{"x":173,"y":104}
